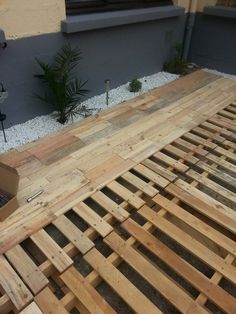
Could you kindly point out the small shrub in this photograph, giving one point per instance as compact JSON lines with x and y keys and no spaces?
{"x":178,"y":64}
{"x":63,"y":90}
{"x":135,"y":86}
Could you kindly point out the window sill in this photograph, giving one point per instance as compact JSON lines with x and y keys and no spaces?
{"x":220,"y":11}
{"x":79,"y":23}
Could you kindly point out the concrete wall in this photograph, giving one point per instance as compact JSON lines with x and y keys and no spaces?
{"x":118,"y":53}
{"x":213,"y":43}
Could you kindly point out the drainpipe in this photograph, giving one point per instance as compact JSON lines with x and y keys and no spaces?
{"x":189,"y":27}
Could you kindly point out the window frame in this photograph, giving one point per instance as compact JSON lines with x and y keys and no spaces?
{"x":79,"y":7}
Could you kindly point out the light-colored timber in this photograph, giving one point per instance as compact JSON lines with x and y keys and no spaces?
{"x":139,"y":199}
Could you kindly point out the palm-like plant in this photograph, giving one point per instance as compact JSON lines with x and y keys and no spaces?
{"x":64,"y":91}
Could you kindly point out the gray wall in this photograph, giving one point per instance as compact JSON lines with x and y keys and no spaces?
{"x":213,"y":42}
{"x":118,"y":53}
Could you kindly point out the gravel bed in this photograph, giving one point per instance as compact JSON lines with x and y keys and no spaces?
{"x":41,"y":126}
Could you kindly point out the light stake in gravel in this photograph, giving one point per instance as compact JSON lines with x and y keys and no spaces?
{"x":107,"y":82}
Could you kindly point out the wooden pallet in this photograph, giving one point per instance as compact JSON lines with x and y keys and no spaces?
{"x":73,"y":163}
{"x":159,"y":238}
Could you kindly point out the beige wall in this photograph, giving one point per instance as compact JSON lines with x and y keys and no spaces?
{"x":203,"y":3}
{"x":183,"y":3}
{"x":194,"y":5}
{"x":22,"y":18}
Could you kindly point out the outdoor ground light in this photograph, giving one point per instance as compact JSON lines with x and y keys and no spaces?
{"x":3,"y":96}
{"x":108,"y":87}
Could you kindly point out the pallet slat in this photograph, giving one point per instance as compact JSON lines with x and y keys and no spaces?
{"x":32,"y":308}
{"x":190,"y":244}
{"x":85,"y":292}
{"x":93,"y":219}
{"x":113,"y":208}
{"x":13,"y":285}
{"x":189,"y":273}
{"x":204,"y":204}
{"x":196,"y":224}
{"x":127,"y":195}
{"x":155,"y":277}
{"x":127,"y":291}
{"x":52,"y":250}
{"x":140,"y":184}
{"x":80,"y":241}
{"x":24,"y":265}
{"x":48,"y":303}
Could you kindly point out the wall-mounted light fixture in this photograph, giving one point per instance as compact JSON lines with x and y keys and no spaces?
{"x":3,"y":41}
{"x":107,"y":87}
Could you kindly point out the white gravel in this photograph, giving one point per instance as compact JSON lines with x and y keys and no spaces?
{"x":41,"y":126}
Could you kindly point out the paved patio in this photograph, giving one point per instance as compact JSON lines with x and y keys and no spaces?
{"x":138,"y":210}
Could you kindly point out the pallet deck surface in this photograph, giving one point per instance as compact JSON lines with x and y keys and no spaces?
{"x":138,"y":210}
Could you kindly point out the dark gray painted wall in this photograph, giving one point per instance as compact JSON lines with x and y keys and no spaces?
{"x":118,"y":53}
{"x":213,"y":43}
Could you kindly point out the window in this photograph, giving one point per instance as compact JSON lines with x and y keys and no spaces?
{"x":91,"y":6}
{"x":227,"y":3}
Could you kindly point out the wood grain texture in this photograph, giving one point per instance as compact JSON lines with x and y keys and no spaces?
{"x":138,"y":198}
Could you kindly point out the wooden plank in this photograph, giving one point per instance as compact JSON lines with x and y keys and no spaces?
{"x":219,"y":189}
{"x":164,"y":172}
{"x":93,"y":219}
{"x":32,"y":308}
{"x":85,"y":292}
{"x":214,"y":128}
{"x":171,"y":161}
{"x":27,"y":269}
{"x":208,"y":135}
{"x":110,"y":206}
{"x":52,"y":250}
{"x":48,"y":303}
{"x":222,"y":163}
{"x":199,"y":140}
{"x":192,"y":245}
{"x":191,"y":147}
{"x":73,"y":234}
{"x":227,"y":114}
{"x":226,"y":153}
{"x":197,"y":224}
{"x":6,"y":304}
{"x":152,"y":274}
{"x":140,"y":184}
{"x":204,"y":204}
{"x":181,"y":267}
{"x":181,"y":154}
{"x":231,"y":109}
{"x":126,"y":194}
{"x":120,"y":284}
{"x":151,"y":175}
{"x":219,"y":174}
{"x":13,"y":285}
{"x":222,"y":122}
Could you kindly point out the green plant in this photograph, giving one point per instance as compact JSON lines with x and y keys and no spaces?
{"x":135,"y":86}
{"x":178,"y":64}
{"x":63,"y":90}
